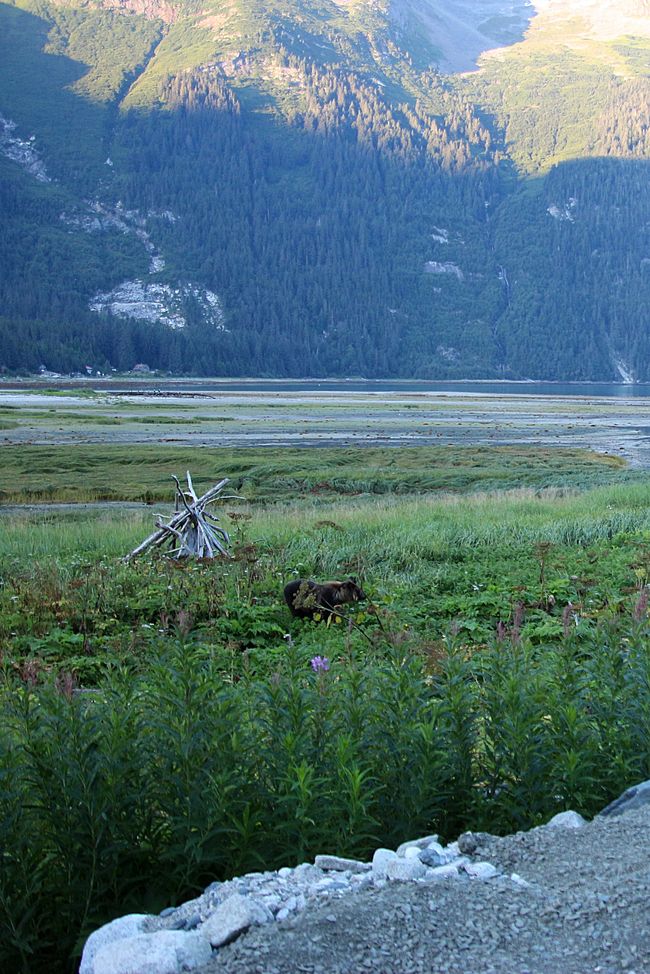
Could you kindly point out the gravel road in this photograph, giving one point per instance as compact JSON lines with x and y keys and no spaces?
{"x":581,"y":905}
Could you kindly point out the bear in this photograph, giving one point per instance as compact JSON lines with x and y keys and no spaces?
{"x":307,"y":598}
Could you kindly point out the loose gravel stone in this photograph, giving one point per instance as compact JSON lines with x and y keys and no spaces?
{"x":516,"y":878}
{"x":583,"y":906}
{"x":467,"y":843}
{"x":164,"y":952}
{"x":306,"y":872}
{"x":566,"y":820}
{"x":193,"y":921}
{"x":405,"y":870}
{"x":431,"y":858}
{"x":635,"y":797}
{"x":380,"y":861}
{"x":423,"y":843}
{"x":338,"y":864}
{"x":480,"y":870}
{"x":442,"y":872}
{"x":232,"y":917}
{"x":120,"y":929}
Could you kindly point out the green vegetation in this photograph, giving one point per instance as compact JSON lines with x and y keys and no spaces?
{"x":88,"y":472}
{"x":498,"y":673}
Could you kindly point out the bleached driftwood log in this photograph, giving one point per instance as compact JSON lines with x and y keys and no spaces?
{"x":191,"y":530}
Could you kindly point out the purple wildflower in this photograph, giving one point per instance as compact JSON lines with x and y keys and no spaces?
{"x":320,"y":664}
{"x":517,"y":619}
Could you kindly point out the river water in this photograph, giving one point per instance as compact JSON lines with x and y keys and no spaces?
{"x":561,"y":389}
{"x":468,"y":387}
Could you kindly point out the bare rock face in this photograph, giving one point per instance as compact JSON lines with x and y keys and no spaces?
{"x":21,"y":151}
{"x":462,"y":30}
{"x":443,"y":267}
{"x":150,"y":301}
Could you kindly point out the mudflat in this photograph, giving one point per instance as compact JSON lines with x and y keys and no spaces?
{"x":331,"y":416}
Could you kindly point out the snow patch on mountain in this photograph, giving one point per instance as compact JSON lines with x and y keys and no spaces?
{"x":21,"y":151}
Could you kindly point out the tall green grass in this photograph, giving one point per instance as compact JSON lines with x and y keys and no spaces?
{"x":426,"y":563}
{"x":88,"y":471}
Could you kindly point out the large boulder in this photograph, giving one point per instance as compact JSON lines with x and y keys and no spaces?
{"x":120,"y":929}
{"x":163,"y":952}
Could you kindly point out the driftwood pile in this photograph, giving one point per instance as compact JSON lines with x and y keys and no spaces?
{"x":191,"y":531}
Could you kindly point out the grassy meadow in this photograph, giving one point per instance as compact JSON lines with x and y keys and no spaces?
{"x":163,"y":725}
{"x":142,"y":471}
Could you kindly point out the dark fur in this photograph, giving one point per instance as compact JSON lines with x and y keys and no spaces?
{"x":306,"y":598}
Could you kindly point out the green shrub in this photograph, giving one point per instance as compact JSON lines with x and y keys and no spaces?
{"x":142,"y":792}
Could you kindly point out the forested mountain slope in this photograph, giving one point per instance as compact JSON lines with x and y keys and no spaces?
{"x":296,"y":187}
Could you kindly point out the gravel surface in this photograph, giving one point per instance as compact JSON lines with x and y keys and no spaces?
{"x":579,"y":903}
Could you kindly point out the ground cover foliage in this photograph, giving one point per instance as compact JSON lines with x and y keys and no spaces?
{"x":500,"y":672}
{"x":86,"y":472}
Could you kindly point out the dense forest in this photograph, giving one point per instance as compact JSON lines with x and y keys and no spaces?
{"x":348,"y":212}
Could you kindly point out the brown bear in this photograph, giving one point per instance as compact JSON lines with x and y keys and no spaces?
{"x":307,"y":598}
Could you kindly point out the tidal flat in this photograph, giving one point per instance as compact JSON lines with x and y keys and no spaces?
{"x":265,"y":415}
{"x":66,"y":444}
